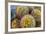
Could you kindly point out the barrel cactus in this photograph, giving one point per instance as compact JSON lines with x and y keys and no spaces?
{"x":21,"y":11}
{"x":37,"y":14}
{"x":28,"y":21}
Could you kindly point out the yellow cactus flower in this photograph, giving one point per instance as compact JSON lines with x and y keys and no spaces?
{"x":14,"y":24}
{"x":37,"y":12}
{"x":19,"y":9}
